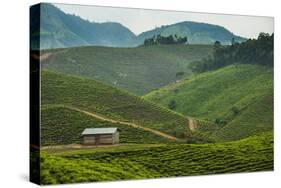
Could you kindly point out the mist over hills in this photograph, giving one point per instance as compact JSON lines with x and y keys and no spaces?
{"x":60,"y":30}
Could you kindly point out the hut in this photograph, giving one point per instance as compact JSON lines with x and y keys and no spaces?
{"x":99,"y":136}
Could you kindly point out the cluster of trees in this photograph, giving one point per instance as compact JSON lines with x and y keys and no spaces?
{"x":254,"y":51}
{"x":171,"y":39}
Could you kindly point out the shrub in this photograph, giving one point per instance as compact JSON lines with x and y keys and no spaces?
{"x":172,"y":104}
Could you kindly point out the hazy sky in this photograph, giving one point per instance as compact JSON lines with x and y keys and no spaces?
{"x":140,"y":20}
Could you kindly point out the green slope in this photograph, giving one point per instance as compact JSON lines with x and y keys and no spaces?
{"x":154,"y":161}
{"x":96,"y":97}
{"x":60,"y":30}
{"x":138,"y":70}
{"x":238,"y":98}
{"x":197,"y":33}
{"x":61,"y":125}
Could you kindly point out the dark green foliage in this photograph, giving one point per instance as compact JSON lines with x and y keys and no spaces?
{"x":238,"y":98}
{"x":172,"y":104}
{"x":253,"y":51}
{"x":152,"y":161}
{"x":196,"y":33}
{"x":235,"y":110}
{"x":138,"y":70}
{"x":179,"y":74}
{"x":171,"y":39}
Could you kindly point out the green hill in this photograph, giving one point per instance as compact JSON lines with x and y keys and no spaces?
{"x":154,"y":161}
{"x":138,"y":70}
{"x":60,"y":30}
{"x":95,"y":97}
{"x":238,"y":99}
{"x":62,"y":125}
{"x":197,"y":33}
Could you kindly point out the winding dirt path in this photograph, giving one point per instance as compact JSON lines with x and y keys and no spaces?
{"x":159,"y":133}
{"x":192,"y":124}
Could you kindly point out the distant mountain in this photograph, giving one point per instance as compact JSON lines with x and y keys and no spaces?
{"x":197,"y":33}
{"x":60,"y":30}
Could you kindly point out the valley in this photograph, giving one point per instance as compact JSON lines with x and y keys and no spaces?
{"x":184,"y":99}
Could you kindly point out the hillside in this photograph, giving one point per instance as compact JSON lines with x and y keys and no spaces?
{"x":95,"y":97}
{"x":138,"y":70}
{"x":62,"y":125}
{"x":197,"y":33}
{"x":154,"y":161}
{"x":237,"y":98}
{"x":60,"y":30}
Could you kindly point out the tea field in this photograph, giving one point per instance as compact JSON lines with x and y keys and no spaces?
{"x":154,"y":161}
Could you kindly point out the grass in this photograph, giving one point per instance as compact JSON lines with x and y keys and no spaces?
{"x":99,"y":98}
{"x":61,"y":125}
{"x":238,"y":98}
{"x":138,"y":70}
{"x":153,"y":161}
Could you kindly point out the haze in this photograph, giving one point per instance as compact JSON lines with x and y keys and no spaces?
{"x":140,"y":20}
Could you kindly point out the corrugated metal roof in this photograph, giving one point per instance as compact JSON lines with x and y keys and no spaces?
{"x":109,"y":130}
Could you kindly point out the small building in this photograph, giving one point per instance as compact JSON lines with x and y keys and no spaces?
{"x":99,"y":136}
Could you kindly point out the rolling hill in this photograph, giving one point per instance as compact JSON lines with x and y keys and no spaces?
{"x":154,"y":161}
{"x":62,"y":125}
{"x":138,"y":70}
{"x":60,"y":30}
{"x":197,"y":33}
{"x":90,"y":96}
{"x":237,"y":98}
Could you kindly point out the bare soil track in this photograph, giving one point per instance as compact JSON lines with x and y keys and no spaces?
{"x":192,"y":124}
{"x":159,"y":133}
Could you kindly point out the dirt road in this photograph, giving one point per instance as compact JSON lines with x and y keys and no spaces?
{"x":159,"y":133}
{"x":192,"y":124}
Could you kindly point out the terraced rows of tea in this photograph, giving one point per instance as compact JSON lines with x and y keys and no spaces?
{"x":237,"y":100}
{"x":94,"y":96}
{"x":152,"y":161}
{"x":138,"y":70}
{"x":61,"y":125}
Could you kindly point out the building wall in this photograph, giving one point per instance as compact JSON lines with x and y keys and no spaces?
{"x":89,"y":139}
{"x":116,"y":138}
{"x":106,"y":139}
{"x":101,"y":139}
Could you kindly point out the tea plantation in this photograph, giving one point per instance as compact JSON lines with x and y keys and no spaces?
{"x":61,"y":125}
{"x":99,"y":98}
{"x":237,"y":99}
{"x":153,"y":161}
{"x":138,"y":70}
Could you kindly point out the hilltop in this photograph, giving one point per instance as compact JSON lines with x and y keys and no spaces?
{"x":138,"y":70}
{"x":237,"y":99}
{"x":196,"y":33}
{"x":58,"y":29}
{"x":90,"y":96}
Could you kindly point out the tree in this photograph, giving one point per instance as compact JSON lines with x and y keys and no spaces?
{"x":217,"y":44}
{"x":179,"y":74}
{"x":232,"y":41}
{"x":172,"y":104}
{"x":253,"y":51}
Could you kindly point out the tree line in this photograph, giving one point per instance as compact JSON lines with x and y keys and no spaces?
{"x":171,"y":39}
{"x":254,"y":51}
